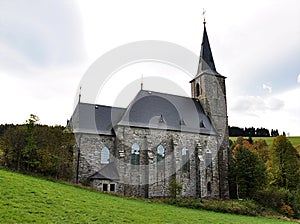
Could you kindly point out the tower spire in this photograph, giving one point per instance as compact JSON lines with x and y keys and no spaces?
{"x":206,"y":60}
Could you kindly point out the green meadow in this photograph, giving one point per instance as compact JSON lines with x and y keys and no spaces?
{"x":25,"y":199}
{"x":269,"y":140}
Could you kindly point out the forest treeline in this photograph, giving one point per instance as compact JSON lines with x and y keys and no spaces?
{"x":37,"y":149}
{"x":253,"y":132}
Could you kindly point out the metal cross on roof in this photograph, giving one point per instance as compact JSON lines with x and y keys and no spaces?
{"x":203,"y":13}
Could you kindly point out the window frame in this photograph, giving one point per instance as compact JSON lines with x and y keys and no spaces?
{"x":185,"y":160}
{"x":135,"y":154}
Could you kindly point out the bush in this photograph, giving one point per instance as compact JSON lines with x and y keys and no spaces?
{"x":175,"y":188}
{"x":239,"y":207}
{"x":287,"y":210}
{"x":272,"y":197}
{"x":282,"y":200}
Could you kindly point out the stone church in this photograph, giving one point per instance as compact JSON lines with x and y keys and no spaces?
{"x":158,"y":139}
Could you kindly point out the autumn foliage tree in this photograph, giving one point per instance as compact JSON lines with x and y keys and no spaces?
{"x":248,"y":172}
{"x":279,"y":187}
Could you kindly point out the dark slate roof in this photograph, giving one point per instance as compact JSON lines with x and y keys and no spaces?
{"x":109,"y":172}
{"x":95,"y":119}
{"x":165,"y":111}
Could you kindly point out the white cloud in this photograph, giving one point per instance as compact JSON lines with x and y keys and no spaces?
{"x":50,"y":95}
{"x":279,"y":111}
{"x":267,"y":87}
{"x":274,"y":104}
{"x":298,"y":79}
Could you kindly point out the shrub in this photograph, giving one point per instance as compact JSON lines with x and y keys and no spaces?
{"x":175,"y":188}
{"x":279,"y":199}
{"x":239,"y":207}
{"x":287,"y":210}
{"x":272,"y":197}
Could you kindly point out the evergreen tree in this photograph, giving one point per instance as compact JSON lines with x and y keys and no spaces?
{"x":284,"y":165}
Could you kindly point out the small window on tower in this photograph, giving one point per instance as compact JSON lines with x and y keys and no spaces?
{"x":197,"y":89}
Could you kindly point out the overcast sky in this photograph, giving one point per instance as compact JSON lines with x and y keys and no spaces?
{"x":47,"y":46}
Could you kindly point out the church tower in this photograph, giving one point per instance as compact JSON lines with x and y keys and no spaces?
{"x":209,"y":87}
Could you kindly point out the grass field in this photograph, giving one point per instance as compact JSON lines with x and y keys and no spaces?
{"x":25,"y":199}
{"x":294,"y":140}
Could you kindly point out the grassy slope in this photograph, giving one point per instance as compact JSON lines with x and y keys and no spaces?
{"x":26,"y":199}
{"x":294,"y":140}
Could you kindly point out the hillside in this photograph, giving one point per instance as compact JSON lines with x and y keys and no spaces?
{"x":295,"y":141}
{"x":25,"y":199}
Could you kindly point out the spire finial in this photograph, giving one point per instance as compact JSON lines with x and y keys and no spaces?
{"x":79,"y":97}
{"x":203,"y":13}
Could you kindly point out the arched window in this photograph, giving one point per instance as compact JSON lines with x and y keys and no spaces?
{"x":208,"y":158}
{"x":105,"y":155}
{"x":197,"y":89}
{"x":160,"y":155}
{"x":185,"y":160}
{"x":135,"y":154}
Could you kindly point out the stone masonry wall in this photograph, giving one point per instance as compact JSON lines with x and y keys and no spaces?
{"x":90,"y":146}
{"x":152,"y":179}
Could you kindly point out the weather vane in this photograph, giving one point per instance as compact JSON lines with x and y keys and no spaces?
{"x":203,"y":13}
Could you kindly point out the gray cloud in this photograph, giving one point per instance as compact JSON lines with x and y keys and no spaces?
{"x":39,"y":33}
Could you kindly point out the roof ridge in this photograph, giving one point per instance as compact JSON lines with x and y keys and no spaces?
{"x":170,"y":94}
{"x":101,"y":105}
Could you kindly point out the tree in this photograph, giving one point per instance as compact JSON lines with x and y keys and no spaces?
{"x":12,"y":145}
{"x":34,"y":148}
{"x":284,"y":165}
{"x":261,"y":147}
{"x":249,"y":172}
{"x":30,"y":150}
